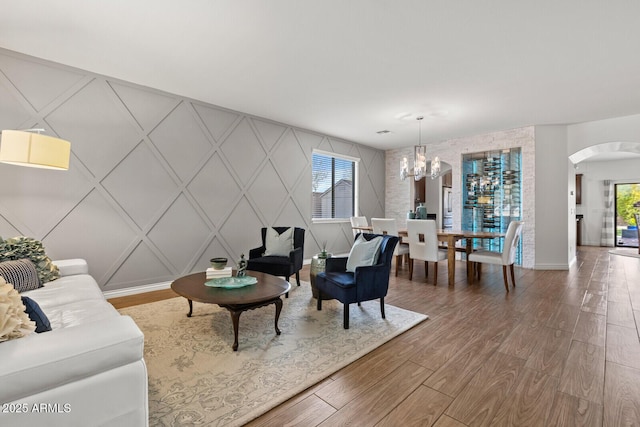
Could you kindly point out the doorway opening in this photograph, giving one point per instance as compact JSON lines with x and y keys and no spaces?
{"x":625,"y":225}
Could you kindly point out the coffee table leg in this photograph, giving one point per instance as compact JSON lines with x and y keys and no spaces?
{"x":278,"y":303}
{"x":235,"y":319}
{"x":190,"y":308}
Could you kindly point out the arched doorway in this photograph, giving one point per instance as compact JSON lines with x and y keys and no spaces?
{"x":435,"y":195}
{"x":610,"y":181}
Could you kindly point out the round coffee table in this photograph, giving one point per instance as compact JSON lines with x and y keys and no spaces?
{"x":267,"y":291}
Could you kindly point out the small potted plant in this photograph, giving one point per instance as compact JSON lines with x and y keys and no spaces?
{"x":323,"y":254}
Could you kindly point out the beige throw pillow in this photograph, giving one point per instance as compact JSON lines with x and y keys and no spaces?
{"x":14,"y":322}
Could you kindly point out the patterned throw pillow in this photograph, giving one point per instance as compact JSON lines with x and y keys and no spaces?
{"x":27,"y":247}
{"x":14,"y":322}
{"x":21,"y":273}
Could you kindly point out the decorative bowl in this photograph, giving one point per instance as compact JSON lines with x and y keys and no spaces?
{"x":218,"y":263}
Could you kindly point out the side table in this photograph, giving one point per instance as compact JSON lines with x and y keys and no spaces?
{"x":318,"y":264}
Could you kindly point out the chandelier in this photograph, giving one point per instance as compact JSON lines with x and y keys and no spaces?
{"x":435,"y":167}
{"x":419,"y":160}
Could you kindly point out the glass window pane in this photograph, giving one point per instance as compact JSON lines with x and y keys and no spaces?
{"x":332,"y":185}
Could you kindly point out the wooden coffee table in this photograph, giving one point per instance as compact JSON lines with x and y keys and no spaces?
{"x":267,"y":291}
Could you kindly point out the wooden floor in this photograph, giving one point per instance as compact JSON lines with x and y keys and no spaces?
{"x":561,"y":349}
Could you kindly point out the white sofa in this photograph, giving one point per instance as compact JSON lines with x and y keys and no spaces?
{"x":87,"y":371}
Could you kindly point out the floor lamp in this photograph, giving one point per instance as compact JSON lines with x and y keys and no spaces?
{"x":32,"y":149}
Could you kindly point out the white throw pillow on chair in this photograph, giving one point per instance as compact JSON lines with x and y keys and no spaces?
{"x":278,"y":244}
{"x":363,"y":253}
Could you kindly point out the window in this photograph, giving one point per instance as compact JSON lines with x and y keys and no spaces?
{"x":333,"y":186}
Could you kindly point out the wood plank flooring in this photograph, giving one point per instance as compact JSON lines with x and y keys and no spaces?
{"x":560,"y":349}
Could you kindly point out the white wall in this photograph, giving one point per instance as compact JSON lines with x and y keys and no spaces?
{"x":433,"y":190}
{"x":554,"y":250}
{"x":620,"y":133}
{"x":619,"y":129}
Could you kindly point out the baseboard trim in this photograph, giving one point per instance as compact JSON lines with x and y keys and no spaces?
{"x":551,"y":267}
{"x":124,"y":292}
{"x":136,"y":290}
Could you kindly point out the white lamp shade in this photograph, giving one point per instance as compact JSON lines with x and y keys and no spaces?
{"x":34,"y":150}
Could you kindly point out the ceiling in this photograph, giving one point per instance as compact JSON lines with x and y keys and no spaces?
{"x":352,"y":68}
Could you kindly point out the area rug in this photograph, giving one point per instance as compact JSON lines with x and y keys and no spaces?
{"x":196,"y":379}
{"x":625,"y":252}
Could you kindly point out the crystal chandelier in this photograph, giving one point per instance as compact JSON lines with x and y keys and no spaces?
{"x":435,"y":167}
{"x":419,"y":160}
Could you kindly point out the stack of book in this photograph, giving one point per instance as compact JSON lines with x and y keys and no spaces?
{"x":214,"y":274}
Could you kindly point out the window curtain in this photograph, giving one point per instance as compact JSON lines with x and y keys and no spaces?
{"x":606,"y":234}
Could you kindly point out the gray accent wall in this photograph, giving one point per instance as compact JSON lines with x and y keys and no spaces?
{"x":159,"y":184}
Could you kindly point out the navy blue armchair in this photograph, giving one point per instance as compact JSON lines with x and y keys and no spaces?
{"x":366,"y":283}
{"x":283,"y":266}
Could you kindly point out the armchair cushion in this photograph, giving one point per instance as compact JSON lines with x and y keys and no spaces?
{"x":343,"y":279}
{"x":363,"y":253}
{"x":278,"y":244}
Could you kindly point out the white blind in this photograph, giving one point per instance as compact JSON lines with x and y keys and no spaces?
{"x":332,"y":186}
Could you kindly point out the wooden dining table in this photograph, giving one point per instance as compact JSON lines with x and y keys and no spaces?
{"x":450,"y":237}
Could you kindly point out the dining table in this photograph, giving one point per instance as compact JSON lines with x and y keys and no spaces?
{"x":450,"y":238}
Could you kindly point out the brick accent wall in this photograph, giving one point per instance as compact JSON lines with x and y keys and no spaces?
{"x":398,"y":195}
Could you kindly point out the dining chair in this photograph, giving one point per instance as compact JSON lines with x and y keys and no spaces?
{"x":506,"y":258}
{"x":358,"y":221}
{"x":423,"y":245}
{"x":390,"y":227}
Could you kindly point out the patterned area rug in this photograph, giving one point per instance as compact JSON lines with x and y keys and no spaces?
{"x":196,"y":379}
{"x":625,"y":252}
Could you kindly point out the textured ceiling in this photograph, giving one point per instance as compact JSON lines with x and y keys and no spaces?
{"x":350,"y":68}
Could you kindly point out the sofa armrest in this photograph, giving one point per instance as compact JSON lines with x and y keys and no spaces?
{"x":71,"y":267}
{"x":40,"y":362}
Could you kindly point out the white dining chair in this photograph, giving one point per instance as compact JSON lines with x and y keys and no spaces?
{"x":389,"y":226}
{"x":506,"y":258}
{"x":423,"y":245}
{"x":358,"y":221}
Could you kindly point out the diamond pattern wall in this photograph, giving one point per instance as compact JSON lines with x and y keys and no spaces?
{"x":158,"y":183}
{"x":143,"y":197}
{"x":215,"y":190}
{"x":108,"y":132}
